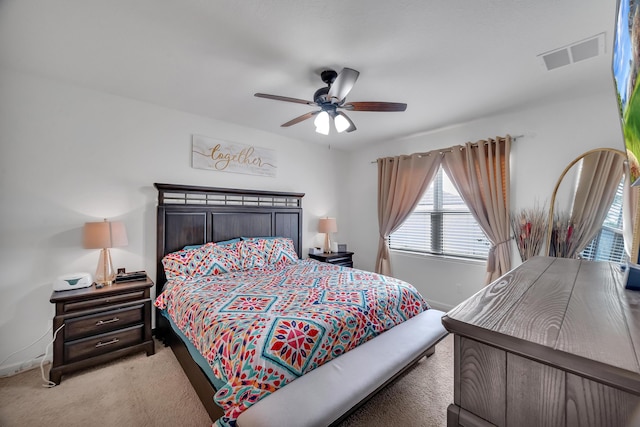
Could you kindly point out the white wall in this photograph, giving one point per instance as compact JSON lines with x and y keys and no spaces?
{"x":70,"y":155}
{"x":553,"y":136}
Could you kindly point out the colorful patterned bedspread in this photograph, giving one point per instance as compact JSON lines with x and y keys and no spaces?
{"x":261,"y":329}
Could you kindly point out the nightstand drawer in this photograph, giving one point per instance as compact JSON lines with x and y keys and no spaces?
{"x":94,"y":346}
{"x":103,"y":322}
{"x":106,"y":300}
{"x":342,"y":261}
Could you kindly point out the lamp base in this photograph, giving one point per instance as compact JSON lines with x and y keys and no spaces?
{"x":327,"y":244}
{"x":105,"y":274}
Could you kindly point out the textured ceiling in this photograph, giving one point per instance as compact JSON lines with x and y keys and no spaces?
{"x":450,"y":61}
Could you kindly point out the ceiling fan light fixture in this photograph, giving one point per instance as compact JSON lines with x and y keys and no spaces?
{"x":322,"y":123}
{"x":341,"y":123}
{"x":322,"y":130}
{"x":331,"y":99}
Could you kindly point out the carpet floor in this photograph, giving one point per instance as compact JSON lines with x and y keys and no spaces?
{"x":153,"y":391}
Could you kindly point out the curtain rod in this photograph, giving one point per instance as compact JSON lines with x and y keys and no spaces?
{"x":448,"y":150}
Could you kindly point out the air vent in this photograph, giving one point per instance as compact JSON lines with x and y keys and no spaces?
{"x":576,"y":52}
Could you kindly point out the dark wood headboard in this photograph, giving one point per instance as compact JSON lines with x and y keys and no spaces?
{"x":190,"y":215}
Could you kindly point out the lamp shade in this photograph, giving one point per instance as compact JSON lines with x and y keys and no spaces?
{"x":327,"y":225}
{"x":105,"y":234}
{"x":322,"y":123}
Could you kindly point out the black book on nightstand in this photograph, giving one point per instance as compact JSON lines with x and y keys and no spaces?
{"x":130,"y":277}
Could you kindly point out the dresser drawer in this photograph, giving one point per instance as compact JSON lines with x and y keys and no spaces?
{"x":103,"y":322}
{"x":99,"y":302}
{"x":104,"y":343}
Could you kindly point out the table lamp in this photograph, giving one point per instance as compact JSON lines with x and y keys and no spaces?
{"x":104,"y":235}
{"x":327,"y":226}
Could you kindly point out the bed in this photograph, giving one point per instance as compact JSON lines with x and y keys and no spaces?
{"x":326,"y":389}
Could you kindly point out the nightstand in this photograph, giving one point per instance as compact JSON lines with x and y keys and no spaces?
{"x":100,"y":325}
{"x":337,"y":258}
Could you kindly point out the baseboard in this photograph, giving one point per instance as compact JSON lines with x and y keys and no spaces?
{"x":19,"y":367}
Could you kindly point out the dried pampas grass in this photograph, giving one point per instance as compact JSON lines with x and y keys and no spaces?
{"x":564,"y":236}
{"x":529,"y":226}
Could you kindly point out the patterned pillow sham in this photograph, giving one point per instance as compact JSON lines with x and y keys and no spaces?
{"x":275,"y":250}
{"x":222,"y":242}
{"x":208,"y":259}
{"x":252,"y":255}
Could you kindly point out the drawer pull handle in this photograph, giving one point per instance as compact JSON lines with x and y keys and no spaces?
{"x":104,"y":322}
{"x":102,"y":344}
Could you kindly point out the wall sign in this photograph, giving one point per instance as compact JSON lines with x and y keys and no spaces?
{"x":214,"y":154}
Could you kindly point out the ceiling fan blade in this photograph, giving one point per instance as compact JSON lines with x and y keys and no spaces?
{"x":299,"y":119}
{"x":375,"y":106}
{"x":351,"y":127}
{"x":284,"y":98}
{"x":343,"y":84}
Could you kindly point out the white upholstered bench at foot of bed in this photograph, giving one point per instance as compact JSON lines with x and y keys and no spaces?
{"x":323,"y":395}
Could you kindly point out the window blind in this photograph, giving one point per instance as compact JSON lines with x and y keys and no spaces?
{"x":441,"y":224}
{"x":608,"y":245}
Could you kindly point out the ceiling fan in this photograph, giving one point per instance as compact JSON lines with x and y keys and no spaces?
{"x":332,"y":99}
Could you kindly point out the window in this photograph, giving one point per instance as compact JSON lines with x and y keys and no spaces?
{"x":608,"y":245}
{"x":441,"y":224}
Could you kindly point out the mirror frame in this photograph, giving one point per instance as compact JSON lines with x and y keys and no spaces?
{"x":634,"y":249}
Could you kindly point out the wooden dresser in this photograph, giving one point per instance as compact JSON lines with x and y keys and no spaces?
{"x":555,"y":342}
{"x":100,"y":325}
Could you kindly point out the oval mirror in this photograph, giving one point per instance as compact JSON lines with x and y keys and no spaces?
{"x":581,"y":203}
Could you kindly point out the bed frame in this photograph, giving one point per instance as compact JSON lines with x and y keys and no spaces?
{"x":189,"y":215}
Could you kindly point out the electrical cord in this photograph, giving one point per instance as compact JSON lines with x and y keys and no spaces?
{"x":44,"y":357}
{"x":47,"y":383}
{"x":24,"y":348}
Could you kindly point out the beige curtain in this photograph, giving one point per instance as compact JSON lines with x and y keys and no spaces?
{"x":599,"y":178}
{"x":480,"y":173}
{"x":402,"y":180}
